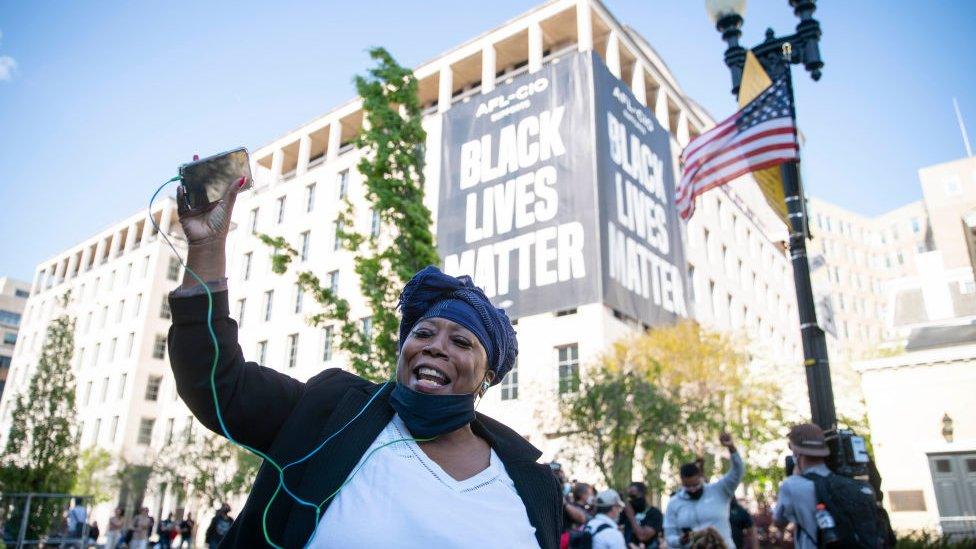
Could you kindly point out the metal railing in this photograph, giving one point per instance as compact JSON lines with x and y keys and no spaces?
{"x":41,"y":519}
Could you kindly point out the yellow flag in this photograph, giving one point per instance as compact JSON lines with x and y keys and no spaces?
{"x":754,"y":81}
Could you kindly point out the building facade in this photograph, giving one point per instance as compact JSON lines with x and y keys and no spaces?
{"x":13,"y":297}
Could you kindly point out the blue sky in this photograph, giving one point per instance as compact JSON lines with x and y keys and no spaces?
{"x":100,"y":101}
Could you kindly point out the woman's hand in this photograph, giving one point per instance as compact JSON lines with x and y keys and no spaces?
{"x":208,"y":225}
{"x":206,"y":235}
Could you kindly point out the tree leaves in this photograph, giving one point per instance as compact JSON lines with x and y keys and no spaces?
{"x":392,"y":141}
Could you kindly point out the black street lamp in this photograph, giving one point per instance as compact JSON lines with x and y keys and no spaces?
{"x":776,"y":55}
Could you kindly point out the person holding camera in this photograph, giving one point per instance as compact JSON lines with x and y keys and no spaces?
{"x":698,"y":506}
{"x":412,"y":464}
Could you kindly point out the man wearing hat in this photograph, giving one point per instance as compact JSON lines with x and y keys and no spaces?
{"x":603,"y":526}
{"x":797,"y":500}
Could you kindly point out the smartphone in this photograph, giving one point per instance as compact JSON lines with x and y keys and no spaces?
{"x":206,"y":180}
{"x":790,"y":465}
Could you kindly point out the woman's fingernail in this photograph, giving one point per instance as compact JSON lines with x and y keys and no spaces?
{"x":196,"y":157}
{"x":240,"y":183}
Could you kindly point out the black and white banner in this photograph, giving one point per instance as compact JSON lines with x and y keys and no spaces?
{"x":517,"y":199}
{"x":556,"y":192}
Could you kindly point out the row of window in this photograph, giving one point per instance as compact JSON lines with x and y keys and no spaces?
{"x":297,"y":304}
{"x":342,"y":189}
{"x":95,"y":259}
{"x":96,"y":358}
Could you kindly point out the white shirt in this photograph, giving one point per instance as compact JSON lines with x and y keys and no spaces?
{"x":608,"y":538}
{"x":400,"y":498}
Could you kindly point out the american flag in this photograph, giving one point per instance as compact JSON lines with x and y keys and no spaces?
{"x":761,"y":135}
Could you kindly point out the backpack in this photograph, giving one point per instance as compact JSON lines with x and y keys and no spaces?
{"x":852,"y":504}
{"x":583,"y":538}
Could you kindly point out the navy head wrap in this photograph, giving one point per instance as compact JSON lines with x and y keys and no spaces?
{"x":431,"y":293}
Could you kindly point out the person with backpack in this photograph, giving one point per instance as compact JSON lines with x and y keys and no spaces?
{"x":827,"y":509}
{"x":219,"y":526}
{"x":601,"y":531}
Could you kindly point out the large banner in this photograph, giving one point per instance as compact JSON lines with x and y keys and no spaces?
{"x":556,"y":191}
{"x":642,"y":255}
{"x":517,"y":197}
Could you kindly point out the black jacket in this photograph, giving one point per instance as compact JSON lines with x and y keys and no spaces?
{"x":286,"y":419}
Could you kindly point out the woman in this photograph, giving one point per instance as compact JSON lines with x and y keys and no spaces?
{"x":114,"y":534}
{"x":471,"y":481}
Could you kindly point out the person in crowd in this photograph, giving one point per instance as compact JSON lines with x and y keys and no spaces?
{"x":93,"y":533}
{"x":220,"y":525}
{"x":642,"y":522}
{"x":577,"y":509}
{"x":797,"y":499}
{"x":164,"y":530}
{"x":187,"y":527}
{"x":431,"y":456}
{"x":743,"y":528}
{"x":77,"y":518}
{"x":603,"y":526}
{"x":698,"y":505}
{"x":141,"y":527}
{"x":115,"y":524}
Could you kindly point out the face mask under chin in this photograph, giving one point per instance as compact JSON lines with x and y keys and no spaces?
{"x":697,"y":494}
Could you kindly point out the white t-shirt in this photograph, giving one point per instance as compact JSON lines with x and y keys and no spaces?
{"x":400,"y":498}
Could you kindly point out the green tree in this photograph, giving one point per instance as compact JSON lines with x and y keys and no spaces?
{"x":93,"y":477}
{"x":392,"y":141}
{"x":41,"y":454}
{"x":211,"y":466}
{"x":669,"y":392}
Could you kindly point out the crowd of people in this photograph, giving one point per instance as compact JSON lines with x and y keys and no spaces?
{"x":707,"y":515}
{"x":142,"y":531}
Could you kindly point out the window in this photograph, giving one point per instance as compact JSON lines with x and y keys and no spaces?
{"x":10,"y":318}
{"x":104,"y":394}
{"x":336,"y":239}
{"x":128,"y":274}
{"x":343,"y":183}
{"x":152,"y":388}
{"x":310,"y":197}
{"x":328,"y":335}
{"x":101,"y":323}
{"x":188,"y":430}
{"x":304,"y":236}
{"x":21,"y":293}
{"x":916,"y":225}
{"x":367,"y":325}
{"x":120,"y":311}
{"x":281,"y":210}
{"x":98,"y":427}
{"x":135,"y":310}
{"x":240,"y":312}
{"x":115,"y":428}
{"x":246,"y":266}
{"x":262,"y":351}
{"x":159,"y":347}
{"x":145,"y":430}
{"x":253,"y":223}
{"x":952,"y":186}
{"x":173,"y":271}
{"x":98,"y":351}
{"x":88,"y":321}
{"x":88,"y":390}
{"x":374,"y":229}
{"x":145,"y":267}
{"x":9,"y":338}
{"x":292,"y":350}
{"x":299,"y":298}
{"x":170,"y":427}
{"x":164,"y":311}
{"x":568,"y":363}
{"x":111,"y":280}
{"x":111,"y":349}
{"x":334,"y":282}
{"x":268,"y":303}
{"x":509,"y":385}
{"x":128,"y":345}
{"x":565,"y":312}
